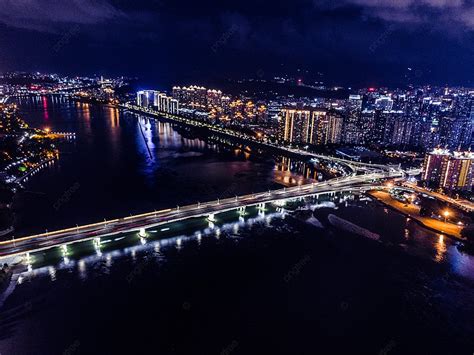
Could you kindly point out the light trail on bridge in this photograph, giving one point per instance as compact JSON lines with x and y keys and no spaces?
{"x":134,"y":223}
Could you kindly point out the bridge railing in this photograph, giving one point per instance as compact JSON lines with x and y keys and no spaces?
{"x":230,"y":200}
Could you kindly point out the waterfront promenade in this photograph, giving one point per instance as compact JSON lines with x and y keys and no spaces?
{"x":413,"y":211}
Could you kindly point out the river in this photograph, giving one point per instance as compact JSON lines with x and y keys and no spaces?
{"x":267,"y":283}
{"x":121,"y":163}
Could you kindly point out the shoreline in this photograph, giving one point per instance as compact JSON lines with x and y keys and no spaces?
{"x":414,"y":218}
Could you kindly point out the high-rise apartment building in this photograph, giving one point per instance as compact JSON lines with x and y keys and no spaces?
{"x":452,"y":171}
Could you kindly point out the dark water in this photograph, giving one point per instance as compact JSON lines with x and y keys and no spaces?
{"x":108,"y":171}
{"x":271,"y":284}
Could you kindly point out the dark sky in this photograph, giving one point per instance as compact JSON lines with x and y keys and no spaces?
{"x":357,"y":42}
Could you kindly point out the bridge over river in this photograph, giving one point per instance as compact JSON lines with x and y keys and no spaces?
{"x":135,"y":223}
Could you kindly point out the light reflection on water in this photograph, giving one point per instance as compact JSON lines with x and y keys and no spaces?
{"x":441,"y":249}
{"x":149,"y":265}
{"x":157,"y":248}
{"x":414,"y":240}
{"x":126,"y":171}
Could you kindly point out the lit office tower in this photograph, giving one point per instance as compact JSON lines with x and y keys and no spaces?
{"x":435,"y":166}
{"x":352,"y":129}
{"x":459,"y":172}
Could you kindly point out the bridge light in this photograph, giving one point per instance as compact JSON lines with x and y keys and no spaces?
{"x":446,"y":215}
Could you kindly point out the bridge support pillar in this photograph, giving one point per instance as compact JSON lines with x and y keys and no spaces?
{"x":97,"y":245}
{"x":261,"y":206}
{"x":211,"y":217}
{"x":241,"y":211}
{"x":29,"y":260}
{"x":279,"y":203}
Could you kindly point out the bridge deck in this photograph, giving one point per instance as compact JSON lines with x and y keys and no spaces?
{"x":147,"y":220}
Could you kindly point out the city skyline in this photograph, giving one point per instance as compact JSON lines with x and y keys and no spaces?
{"x":359,"y":43}
{"x":248,"y":177}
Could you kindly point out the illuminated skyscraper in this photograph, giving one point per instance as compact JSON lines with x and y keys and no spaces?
{"x":435,"y":166}
{"x":335,"y":122}
{"x":294,"y":125}
{"x":167,"y":104}
{"x":352,"y":129}
{"x":318,"y":128}
{"x":142,"y":99}
{"x":147,"y":98}
{"x":459,"y":172}
{"x":305,"y":125}
{"x":452,"y":171}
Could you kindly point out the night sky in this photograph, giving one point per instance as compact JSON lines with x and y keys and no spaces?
{"x":348,"y":42}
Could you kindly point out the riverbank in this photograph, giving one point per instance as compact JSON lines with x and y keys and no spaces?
{"x":412,"y":211}
{"x":239,"y":137}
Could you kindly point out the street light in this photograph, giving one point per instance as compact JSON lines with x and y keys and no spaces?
{"x":446,"y":214}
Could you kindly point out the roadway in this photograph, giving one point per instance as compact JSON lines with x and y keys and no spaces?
{"x":413,"y":211}
{"x":147,"y":220}
{"x":462,"y":204}
{"x":353,"y":165}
